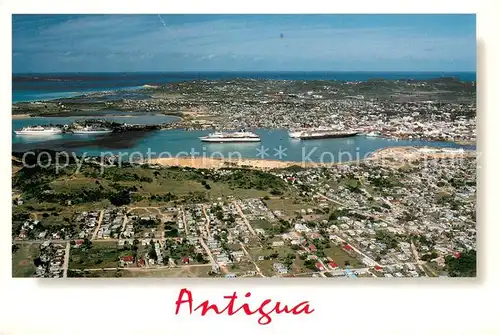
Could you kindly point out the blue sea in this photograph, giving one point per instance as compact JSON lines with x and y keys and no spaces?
{"x":47,"y":86}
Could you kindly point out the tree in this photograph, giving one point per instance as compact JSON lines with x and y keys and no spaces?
{"x":86,"y":243}
{"x":463,"y":266}
{"x":37,"y":262}
{"x":199,"y":258}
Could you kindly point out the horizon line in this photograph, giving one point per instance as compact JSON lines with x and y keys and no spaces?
{"x":254,"y":71}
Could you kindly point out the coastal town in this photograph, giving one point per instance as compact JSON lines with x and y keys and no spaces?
{"x":400,"y":212}
{"x":442,"y":109}
{"x":381,"y":217}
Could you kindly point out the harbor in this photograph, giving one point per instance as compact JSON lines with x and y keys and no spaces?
{"x":274,"y":144}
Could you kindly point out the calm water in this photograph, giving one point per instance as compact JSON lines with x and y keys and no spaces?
{"x":275,"y":144}
{"x":32,"y":87}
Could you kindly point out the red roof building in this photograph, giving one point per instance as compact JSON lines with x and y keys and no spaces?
{"x":457,"y":255}
{"x":78,"y":242}
{"x":312,"y":247}
{"x":185,"y":260}
{"x":347,"y":247}
{"x":141,"y":262}
{"x":378,"y":268}
{"x":319,"y":266}
{"x":127,"y":259}
{"x":333,"y":264}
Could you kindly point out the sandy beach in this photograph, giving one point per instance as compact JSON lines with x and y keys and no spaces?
{"x":217,"y":163}
{"x":20,"y":116}
{"x":397,"y":155}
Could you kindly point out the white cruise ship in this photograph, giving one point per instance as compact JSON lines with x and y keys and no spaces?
{"x":237,"y":136}
{"x":39,"y":130}
{"x":92,"y":130}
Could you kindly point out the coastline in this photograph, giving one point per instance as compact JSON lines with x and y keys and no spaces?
{"x":218,"y":163}
{"x":394,"y":154}
{"x":20,"y":116}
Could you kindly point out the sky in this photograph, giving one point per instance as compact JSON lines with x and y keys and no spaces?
{"x":165,"y":42}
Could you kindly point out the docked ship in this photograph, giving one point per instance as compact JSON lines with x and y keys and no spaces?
{"x":92,"y":130}
{"x":39,"y":130}
{"x":319,"y":133}
{"x":237,"y":136}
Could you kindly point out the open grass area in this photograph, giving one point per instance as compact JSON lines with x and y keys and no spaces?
{"x":255,"y":252}
{"x":287,"y":206}
{"x":340,"y":256}
{"x":179,"y":272}
{"x":298,"y":267}
{"x":22,"y":260}
{"x":95,"y":273}
{"x":100,"y":255}
{"x":140,"y":184}
{"x":241,"y":268}
{"x":266,"y":265}
{"x":263,"y":224}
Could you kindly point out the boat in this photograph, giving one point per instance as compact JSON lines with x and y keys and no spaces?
{"x":39,"y":130}
{"x":92,"y":130}
{"x":319,"y":133}
{"x":237,"y":136}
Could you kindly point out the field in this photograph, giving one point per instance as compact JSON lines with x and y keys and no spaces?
{"x":100,"y":255}
{"x":179,"y":272}
{"x":266,"y":265}
{"x":340,"y":257}
{"x":241,"y":268}
{"x":138,"y":185}
{"x":288,"y":206}
{"x":22,"y":260}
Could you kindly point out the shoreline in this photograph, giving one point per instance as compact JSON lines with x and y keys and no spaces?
{"x":396,"y":154}
{"x":217,"y":163}
{"x":185,"y":115}
{"x":20,"y":116}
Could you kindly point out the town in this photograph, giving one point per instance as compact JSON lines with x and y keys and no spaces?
{"x":442,"y":109}
{"x":375,"y":218}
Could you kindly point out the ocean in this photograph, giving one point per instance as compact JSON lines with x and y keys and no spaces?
{"x":47,"y":86}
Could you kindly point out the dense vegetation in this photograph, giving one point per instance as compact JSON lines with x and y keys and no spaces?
{"x":463,"y":266}
{"x":127,"y":184}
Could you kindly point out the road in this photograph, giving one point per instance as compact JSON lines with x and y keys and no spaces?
{"x":207,"y":225}
{"x":185,"y":221}
{"x":244,"y":217}
{"x":360,"y":252}
{"x":66,"y":260}
{"x":353,"y":248}
{"x":251,"y":260}
{"x":417,"y":258}
{"x":207,"y":250}
{"x":322,"y":273}
{"x":98,"y":224}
